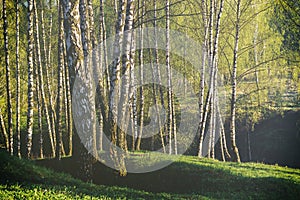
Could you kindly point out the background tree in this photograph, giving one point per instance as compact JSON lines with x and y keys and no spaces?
{"x":30,"y":37}
{"x":8,"y":82}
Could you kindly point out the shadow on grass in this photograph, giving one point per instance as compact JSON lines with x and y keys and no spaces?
{"x":191,"y":178}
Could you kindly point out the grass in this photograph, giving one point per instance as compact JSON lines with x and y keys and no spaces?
{"x":187,"y":178}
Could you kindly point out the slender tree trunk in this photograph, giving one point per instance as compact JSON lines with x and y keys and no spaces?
{"x":104,"y":82}
{"x":3,"y":130}
{"x":133,"y":94}
{"x":157,"y":67}
{"x":67,"y":87}
{"x":211,"y":100}
{"x":106,"y":78}
{"x":174,"y":125}
{"x":169,"y":75}
{"x":43,"y":40}
{"x":30,"y":40}
{"x":49,"y":36}
{"x":69,"y":106}
{"x":95,"y":63}
{"x":8,"y":90}
{"x":215,"y":65}
{"x":212,"y":79}
{"x":222,"y":132}
{"x":48,"y":66}
{"x":213,"y":123}
{"x":141,"y":76}
{"x":46,"y":63}
{"x":155,"y":101}
{"x":211,"y":82}
{"x":18,"y":130}
{"x":256,"y":62}
{"x":184,"y":67}
{"x":39,"y":106}
{"x":40,"y":125}
{"x":202,"y":79}
{"x":249,"y":146}
{"x":221,"y":146}
{"x":102,"y":78}
{"x":234,"y":85}
{"x":41,"y":80}
{"x":64,"y":94}
{"x":59,"y":83}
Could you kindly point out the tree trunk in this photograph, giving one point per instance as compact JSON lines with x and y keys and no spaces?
{"x":211,"y":100}
{"x":222,"y":132}
{"x":18,"y":130}
{"x":106,"y":78}
{"x":157,"y":67}
{"x":202,"y":76}
{"x":39,"y":106}
{"x":3,"y":130}
{"x":255,"y":35}
{"x":67,"y":87}
{"x":30,"y":40}
{"x":134,"y":109}
{"x":41,"y":80}
{"x":88,"y":84}
{"x":169,"y":75}
{"x":8,"y":90}
{"x":114,"y":83}
{"x":234,"y":85}
{"x":48,"y":63}
{"x":211,"y":81}
{"x":59,"y":83}
{"x":126,"y":61}
{"x":174,"y":128}
{"x":155,"y":101}
{"x":215,"y":84}
{"x":141,"y":76}
{"x":95,"y":63}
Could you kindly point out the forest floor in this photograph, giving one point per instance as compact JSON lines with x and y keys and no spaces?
{"x":187,"y":178}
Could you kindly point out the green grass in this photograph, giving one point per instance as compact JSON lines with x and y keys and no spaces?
{"x":187,"y":178}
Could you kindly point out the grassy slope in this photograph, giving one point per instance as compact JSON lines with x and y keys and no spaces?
{"x":191,"y":179}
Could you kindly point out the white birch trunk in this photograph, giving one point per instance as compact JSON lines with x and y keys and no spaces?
{"x":18,"y":85}
{"x":8,"y":84}
{"x":234,"y":84}
{"x":30,"y":40}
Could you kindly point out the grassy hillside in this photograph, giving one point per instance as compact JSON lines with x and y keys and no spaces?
{"x":187,"y":178}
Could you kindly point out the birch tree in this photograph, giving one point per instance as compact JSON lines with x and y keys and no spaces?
{"x":3,"y":130}
{"x":41,"y":79}
{"x":114,"y":83}
{"x":234,"y":84}
{"x":18,"y":130}
{"x":30,"y":39}
{"x":141,"y":76}
{"x":60,"y":67}
{"x":39,"y":104}
{"x":211,"y":80}
{"x":125,"y":84}
{"x":8,"y":84}
{"x":169,"y":75}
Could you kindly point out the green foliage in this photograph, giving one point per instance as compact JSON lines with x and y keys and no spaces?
{"x":286,"y":20}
